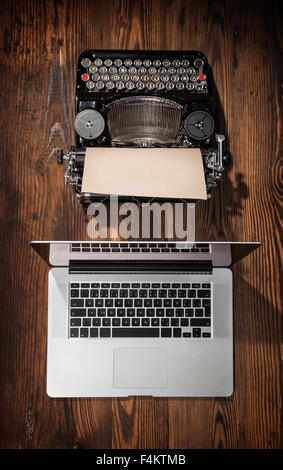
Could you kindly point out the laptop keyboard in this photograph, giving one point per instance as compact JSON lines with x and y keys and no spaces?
{"x":138,"y":248}
{"x":140,"y":310}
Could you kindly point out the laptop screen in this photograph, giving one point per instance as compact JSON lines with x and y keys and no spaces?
{"x":220,"y":254}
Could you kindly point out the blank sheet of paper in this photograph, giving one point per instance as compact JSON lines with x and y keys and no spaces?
{"x":155,"y":172}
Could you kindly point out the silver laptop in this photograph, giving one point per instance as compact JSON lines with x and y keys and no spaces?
{"x":140,"y":318}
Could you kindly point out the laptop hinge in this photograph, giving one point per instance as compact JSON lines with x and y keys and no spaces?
{"x":89,"y":266}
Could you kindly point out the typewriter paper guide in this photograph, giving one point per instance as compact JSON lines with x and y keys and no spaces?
{"x":164,"y":173}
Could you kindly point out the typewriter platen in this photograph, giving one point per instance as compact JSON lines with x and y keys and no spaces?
{"x":144,"y":99}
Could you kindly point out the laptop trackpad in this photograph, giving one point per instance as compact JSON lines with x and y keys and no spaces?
{"x":140,"y":368}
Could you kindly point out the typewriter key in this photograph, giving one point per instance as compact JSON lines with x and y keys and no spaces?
{"x":198,"y":63}
{"x":135,"y":78}
{"x":162,"y":70}
{"x":128,"y":62}
{"x":185,"y":63}
{"x":125,"y":77}
{"x":108,"y":62}
{"x":118,"y":62}
{"x":120,"y":85}
{"x":89,"y":124}
{"x":176,"y":63}
{"x":95,"y":77}
{"x":142,"y":70}
{"x":90,"y":85}
{"x":160,"y":86}
{"x":140,"y":86}
{"x":164,"y":78}
{"x":156,"y":63}
{"x":98,"y":62}
{"x":172,"y":70}
{"x":132,"y":70}
{"x":93,"y":69}
{"x":170,"y":86}
{"x":113,"y":69}
{"x":147,"y":63}
{"x":180,"y":86}
{"x":105,"y":77}
{"x":166,"y":63}
{"x":103,"y":69}
{"x":144,"y":77}
{"x":174,"y":78}
{"x":100,"y":85}
{"x":122,"y":69}
{"x":137,"y":63}
{"x":110,"y":85}
{"x":86,"y":62}
{"x":150,"y":85}
{"x":130,"y":85}
{"x":190,"y":86}
{"x":154,"y":78}
{"x":152,"y":70}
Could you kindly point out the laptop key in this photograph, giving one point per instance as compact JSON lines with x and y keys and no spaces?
{"x":89,"y":303}
{"x":184,"y":322}
{"x":145,"y":321}
{"x":77,"y":303}
{"x":200,"y":322}
{"x":164,"y":321}
{"x":78,"y":312}
{"x":105,"y":332}
{"x":199,"y":312}
{"x":84,"y":293}
{"x":74,"y":332}
{"x":203,"y":293}
{"x":126,"y":321}
{"x":91,"y":312}
{"x":96,"y":322}
{"x":116,"y":321}
{"x":75,"y":293}
{"x":93,"y":332}
{"x":86,"y":321}
{"x":106,"y":322}
{"x":206,"y":335}
{"x":75,"y":322}
{"x":84,"y":333}
{"x":177,"y":332}
{"x":135,"y":332}
{"x":136,"y":322}
{"x":166,"y":332}
{"x":196,"y":332}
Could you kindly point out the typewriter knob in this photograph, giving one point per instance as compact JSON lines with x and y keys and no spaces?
{"x":89,"y":124}
{"x":199,"y":125}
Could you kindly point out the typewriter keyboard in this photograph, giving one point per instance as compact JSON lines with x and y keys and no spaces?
{"x":140,"y":310}
{"x":108,"y":74}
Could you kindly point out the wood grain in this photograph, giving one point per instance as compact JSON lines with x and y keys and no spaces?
{"x":41,"y":41}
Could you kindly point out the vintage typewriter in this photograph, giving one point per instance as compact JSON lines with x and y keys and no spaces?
{"x":144,"y":99}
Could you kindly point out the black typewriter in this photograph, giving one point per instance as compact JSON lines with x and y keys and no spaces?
{"x":144,"y":99}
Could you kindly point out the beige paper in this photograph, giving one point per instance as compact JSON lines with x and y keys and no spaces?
{"x":156,"y":172}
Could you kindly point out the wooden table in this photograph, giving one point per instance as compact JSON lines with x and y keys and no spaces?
{"x":41,"y":41}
